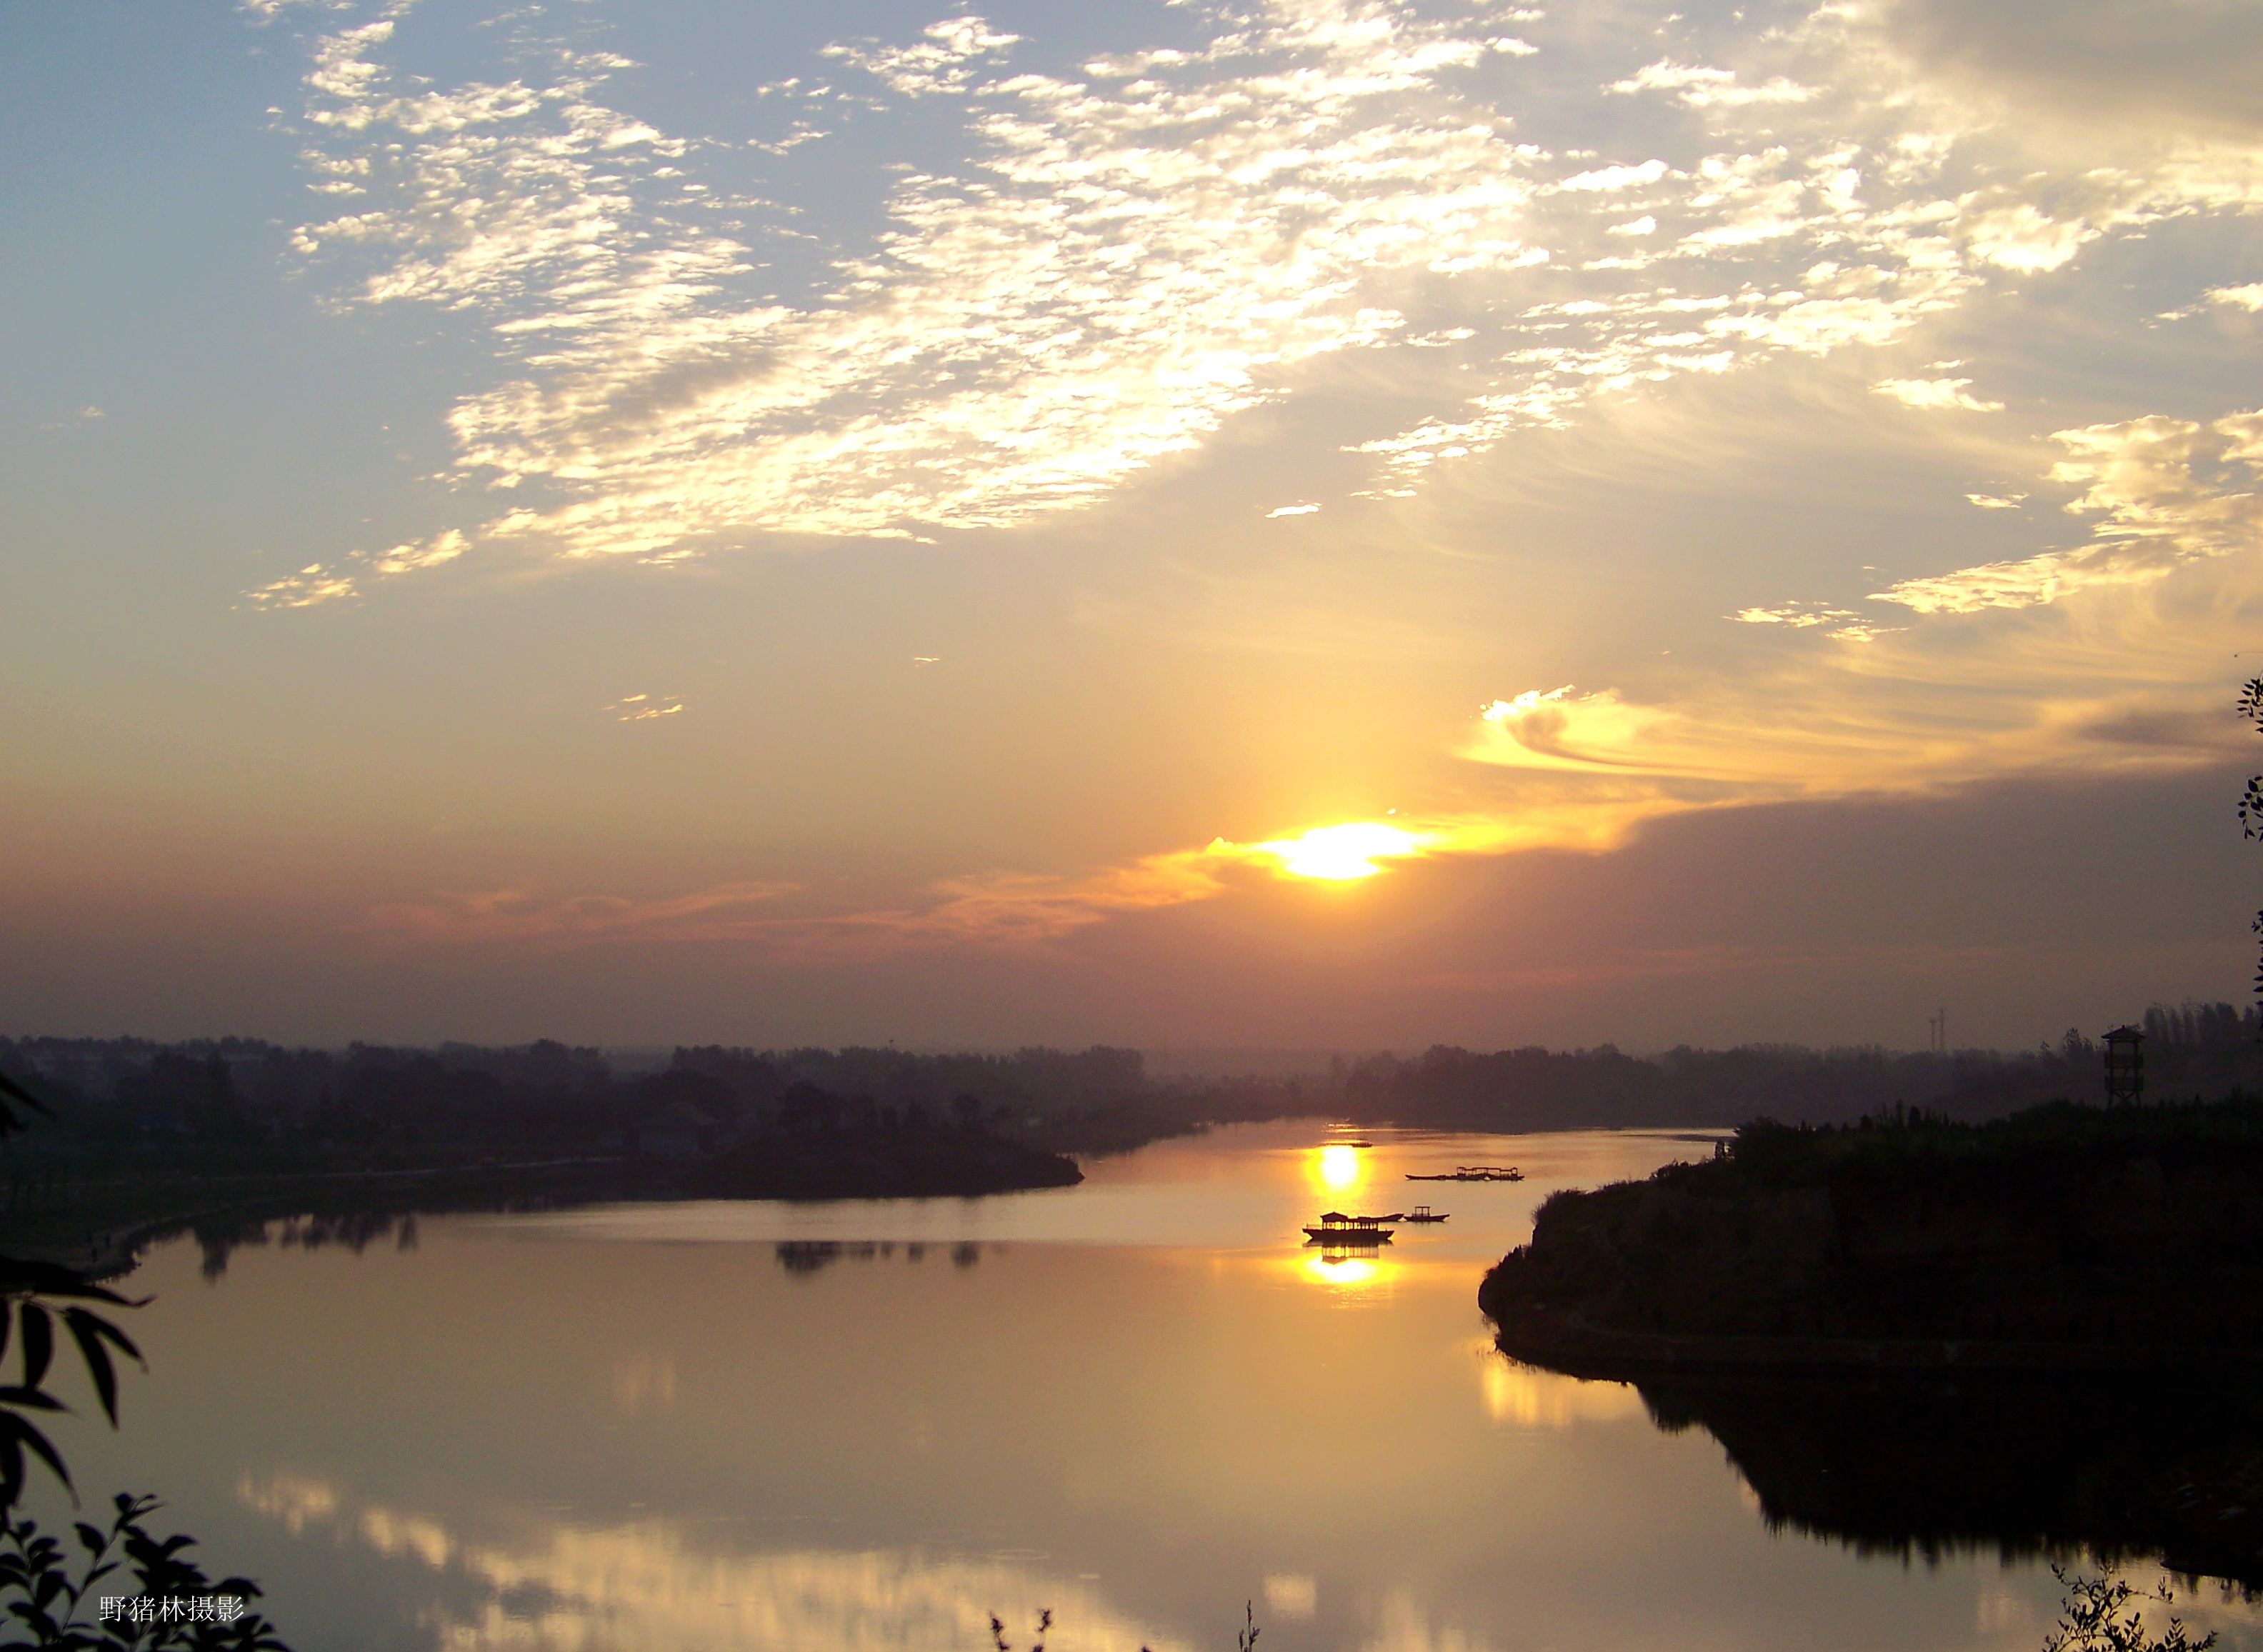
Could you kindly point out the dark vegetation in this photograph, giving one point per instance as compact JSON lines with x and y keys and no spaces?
{"x":2084,"y":1234}
{"x":2041,"y":1331}
{"x":2190,"y":1050}
{"x":231,"y":1131}
{"x":2126,"y":1469}
{"x":93,"y":1607}
{"x":229,"y":1134}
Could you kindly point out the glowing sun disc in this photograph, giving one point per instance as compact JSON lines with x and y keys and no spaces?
{"x":1338,"y":853}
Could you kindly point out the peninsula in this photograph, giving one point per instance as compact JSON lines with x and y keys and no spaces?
{"x":2061,"y":1237}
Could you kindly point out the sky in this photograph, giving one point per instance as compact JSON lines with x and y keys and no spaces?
{"x":1332,"y":523}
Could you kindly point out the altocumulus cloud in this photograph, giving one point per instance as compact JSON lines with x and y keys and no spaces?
{"x":1119,"y":258}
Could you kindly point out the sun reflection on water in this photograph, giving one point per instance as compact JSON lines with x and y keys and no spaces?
{"x":1337,"y":1167}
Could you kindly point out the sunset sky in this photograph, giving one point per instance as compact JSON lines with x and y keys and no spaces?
{"x":1331,"y":523}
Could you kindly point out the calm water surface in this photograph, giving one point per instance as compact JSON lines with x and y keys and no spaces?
{"x":839,"y":1427}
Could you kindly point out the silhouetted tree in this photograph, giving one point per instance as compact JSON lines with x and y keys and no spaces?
{"x":2251,"y":801}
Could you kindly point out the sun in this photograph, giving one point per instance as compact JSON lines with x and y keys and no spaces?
{"x":1340,"y":852}
{"x":1340,"y":1167}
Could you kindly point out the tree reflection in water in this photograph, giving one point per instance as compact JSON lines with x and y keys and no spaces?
{"x":2122,"y":1468}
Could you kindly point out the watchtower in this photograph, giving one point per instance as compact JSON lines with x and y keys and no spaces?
{"x":2125,"y":1066}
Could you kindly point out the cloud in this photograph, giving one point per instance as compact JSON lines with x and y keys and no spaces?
{"x":2097,"y":660}
{"x":1935,"y":393}
{"x":310,"y":587}
{"x":2247,"y":297}
{"x":723,"y":912}
{"x":1114,"y":271}
{"x":2157,"y":512}
{"x":1836,"y":622}
{"x":1703,"y":87}
{"x":1291,"y":510}
{"x":1615,"y":177}
{"x":2093,"y":65}
{"x":2085,"y":661}
{"x":1102,"y":270}
{"x":319,"y":582}
{"x":2018,"y":237}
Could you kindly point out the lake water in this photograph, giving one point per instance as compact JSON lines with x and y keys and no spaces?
{"x":1140,"y":1403}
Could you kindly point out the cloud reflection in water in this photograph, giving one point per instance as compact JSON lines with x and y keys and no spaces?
{"x":646,"y":1582}
{"x":1525,"y":1396}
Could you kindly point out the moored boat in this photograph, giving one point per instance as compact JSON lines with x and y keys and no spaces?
{"x":1472,"y":1173}
{"x":1336,"y":1229}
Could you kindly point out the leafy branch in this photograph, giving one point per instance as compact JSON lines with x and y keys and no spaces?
{"x":2106,"y":1614}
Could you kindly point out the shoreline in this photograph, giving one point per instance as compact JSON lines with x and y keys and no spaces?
{"x":104,"y":1232}
{"x":1563,"y":1341}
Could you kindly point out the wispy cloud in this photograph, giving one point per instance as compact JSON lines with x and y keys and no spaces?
{"x":1932,"y":394}
{"x":319,"y":582}
{"x":2157,"y":509}
{"x":723,"y":912}
{"x":1120,"y":260}
{"x":2041,"y":665}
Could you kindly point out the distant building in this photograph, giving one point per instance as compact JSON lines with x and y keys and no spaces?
{"x":678,"y":1130}
{"x":2125,"y":1067}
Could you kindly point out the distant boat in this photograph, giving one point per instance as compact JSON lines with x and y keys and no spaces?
{"x":1474,"y":1172}
{"x":1336,"y":1229}
{"x":1420,"y":1213}
{"x":1351,"y":1143}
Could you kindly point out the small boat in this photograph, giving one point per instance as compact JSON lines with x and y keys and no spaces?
{"x":1420,"y":1213}
{"x":1351,"y":1143}
{"x":1473,"y":1172}
{"x":1336,"y":1229}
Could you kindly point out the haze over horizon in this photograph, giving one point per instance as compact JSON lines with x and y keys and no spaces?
{"x":1286,"y":523}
